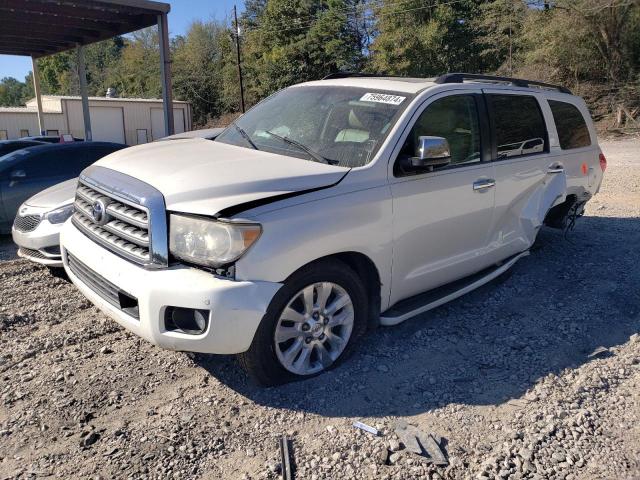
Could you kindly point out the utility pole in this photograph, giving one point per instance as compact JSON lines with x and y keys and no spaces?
{"x":510,"y":40}
{"x":235,"y":18}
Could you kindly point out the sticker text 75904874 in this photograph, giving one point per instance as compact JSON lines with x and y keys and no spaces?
{"x":382,"y":98}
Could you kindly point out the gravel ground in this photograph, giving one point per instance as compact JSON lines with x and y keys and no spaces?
{"x":536,"y":376}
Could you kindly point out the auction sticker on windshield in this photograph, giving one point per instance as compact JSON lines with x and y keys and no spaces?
{"x":382,"y":98}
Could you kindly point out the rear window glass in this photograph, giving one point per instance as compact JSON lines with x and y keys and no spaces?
{"x":570,"y":124}
{"x":519,"y":125}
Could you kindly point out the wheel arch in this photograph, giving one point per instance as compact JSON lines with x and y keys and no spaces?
{"x":367,"y":270}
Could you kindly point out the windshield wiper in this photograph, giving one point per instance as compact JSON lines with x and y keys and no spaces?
{"x":245,"y":135}
{"x":315,"y":155}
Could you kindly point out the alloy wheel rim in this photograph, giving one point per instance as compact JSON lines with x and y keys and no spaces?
{"x":314,"y":328}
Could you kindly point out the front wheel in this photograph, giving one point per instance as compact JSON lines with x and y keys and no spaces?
{"x":311,"y":325}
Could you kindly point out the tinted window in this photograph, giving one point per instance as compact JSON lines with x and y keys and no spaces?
{"x":519,"y":125}
{"x":13,"y":146}
{"x":46,"y":163}
{"x":572,"y":129}
{"x":454,"y":118}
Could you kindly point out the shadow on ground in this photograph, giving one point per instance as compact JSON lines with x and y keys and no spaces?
{"x":8,"y":249}
{"x":559,"y":304}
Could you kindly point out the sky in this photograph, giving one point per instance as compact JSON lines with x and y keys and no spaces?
{"x":182,"y":13}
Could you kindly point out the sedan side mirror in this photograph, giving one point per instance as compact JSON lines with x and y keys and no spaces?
{"x":431,"y":152}
{"x":18,"y":174}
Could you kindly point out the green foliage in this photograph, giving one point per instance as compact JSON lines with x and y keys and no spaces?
{"x":299,"y":40}
{"x":283,"y":42}
{"x":425,"y":38}
{"x":12,"y":92}
{"x":137,"y":73}
{"x":197,"y":68}
{"x":499,"y":28}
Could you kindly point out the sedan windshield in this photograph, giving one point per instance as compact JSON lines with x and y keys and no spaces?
{"x":336,"y":125}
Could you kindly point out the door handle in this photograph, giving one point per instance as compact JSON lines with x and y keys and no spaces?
{"x":484,"y":184}
{"x":555,"y":168}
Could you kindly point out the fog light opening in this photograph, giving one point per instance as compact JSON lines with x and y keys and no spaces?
{"x":186,"y":320}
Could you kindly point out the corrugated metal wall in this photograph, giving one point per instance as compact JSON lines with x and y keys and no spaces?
{"x":111,"y":120}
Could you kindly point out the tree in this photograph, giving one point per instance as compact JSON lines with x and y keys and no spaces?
{"x":425,"y":38}
{"x":12,"y":92}
{"x":299,"y":40}
{"x":137,"y":73}
{"x":197,"y":69}
{"x":499,"y":28}
{"x":613,"y":28}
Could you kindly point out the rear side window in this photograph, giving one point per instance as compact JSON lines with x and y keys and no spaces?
{"x":570,"y":124}
{"x":518,"y":124}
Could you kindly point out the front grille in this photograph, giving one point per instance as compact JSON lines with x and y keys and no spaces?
{"x":124,"y":228}
{"x":28,"y":223}
{"x":27,"y":252}
{"x":103,"y":287}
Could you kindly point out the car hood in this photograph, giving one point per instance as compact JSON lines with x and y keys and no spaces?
{"x":204,"y":177}
{"x":56,"y":196}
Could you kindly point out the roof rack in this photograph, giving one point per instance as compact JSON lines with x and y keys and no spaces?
{"x":355,"y":74}
{"x":517,"y":82}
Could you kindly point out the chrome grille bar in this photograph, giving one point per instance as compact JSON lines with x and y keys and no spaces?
{"x":122,"y":214}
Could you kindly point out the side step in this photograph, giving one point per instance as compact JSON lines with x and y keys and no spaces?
{"x":431,"y":299}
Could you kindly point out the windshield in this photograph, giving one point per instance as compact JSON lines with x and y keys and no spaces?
{"x":333,"y":124}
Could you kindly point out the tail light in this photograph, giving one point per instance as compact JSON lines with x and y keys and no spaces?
{"x":603,"y":162}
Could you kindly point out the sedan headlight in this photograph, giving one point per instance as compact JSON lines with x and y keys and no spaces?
{"x":210,"y":242}
{"x":60,"y":215}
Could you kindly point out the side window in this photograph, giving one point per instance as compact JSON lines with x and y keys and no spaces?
{"x":519,"y":125}
{"x":37,"y":165}
{"x":572,"y":129}
{"x":455,"y":118}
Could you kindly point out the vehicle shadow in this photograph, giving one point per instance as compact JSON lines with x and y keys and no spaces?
{"x":569,"y":297}
{"x":8,"y":249}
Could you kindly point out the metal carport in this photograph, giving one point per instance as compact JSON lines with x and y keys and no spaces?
{"x":38,"y":28}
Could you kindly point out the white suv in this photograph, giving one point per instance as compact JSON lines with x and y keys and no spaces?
{"x":329,"y":208}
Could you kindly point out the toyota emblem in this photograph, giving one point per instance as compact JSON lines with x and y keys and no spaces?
{"x":98,"y":212}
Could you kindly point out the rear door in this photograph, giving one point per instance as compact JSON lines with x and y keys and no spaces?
{"x":577,"y":143}
{"x":528,"y":178}
{"x":441,"y":219}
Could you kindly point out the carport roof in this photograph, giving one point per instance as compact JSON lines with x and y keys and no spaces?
{"x":42,"y":27}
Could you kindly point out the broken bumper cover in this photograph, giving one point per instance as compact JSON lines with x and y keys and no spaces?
{"x":235,"y":307}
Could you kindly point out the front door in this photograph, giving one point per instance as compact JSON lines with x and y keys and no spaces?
{"x":442,"y":218}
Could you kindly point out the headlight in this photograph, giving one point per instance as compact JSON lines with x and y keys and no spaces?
{"x":60,"y":215}
{"x":209,"y":242}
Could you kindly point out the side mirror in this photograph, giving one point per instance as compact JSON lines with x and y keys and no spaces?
{"x":431,"y":152}
{"x":18,"y":174}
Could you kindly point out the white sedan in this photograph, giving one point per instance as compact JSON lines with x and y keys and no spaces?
{"x":36,"y":228}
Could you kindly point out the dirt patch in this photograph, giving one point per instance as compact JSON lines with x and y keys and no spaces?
{"x":536,"y":376}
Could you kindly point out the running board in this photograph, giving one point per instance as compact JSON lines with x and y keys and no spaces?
{"x":431,"y":299}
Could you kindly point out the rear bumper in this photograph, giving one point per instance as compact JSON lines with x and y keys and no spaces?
{"x":235,"y":307}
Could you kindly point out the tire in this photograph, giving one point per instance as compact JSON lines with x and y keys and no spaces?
{"x":263,"y":359}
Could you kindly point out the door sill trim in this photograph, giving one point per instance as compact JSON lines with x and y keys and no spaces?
{"x":423,"y":302}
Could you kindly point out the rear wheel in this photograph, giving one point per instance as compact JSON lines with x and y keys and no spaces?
{"x":311,"y":325}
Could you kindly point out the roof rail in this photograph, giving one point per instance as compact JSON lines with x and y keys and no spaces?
{"x":355,"y":74}
{"x":517,"y":82}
